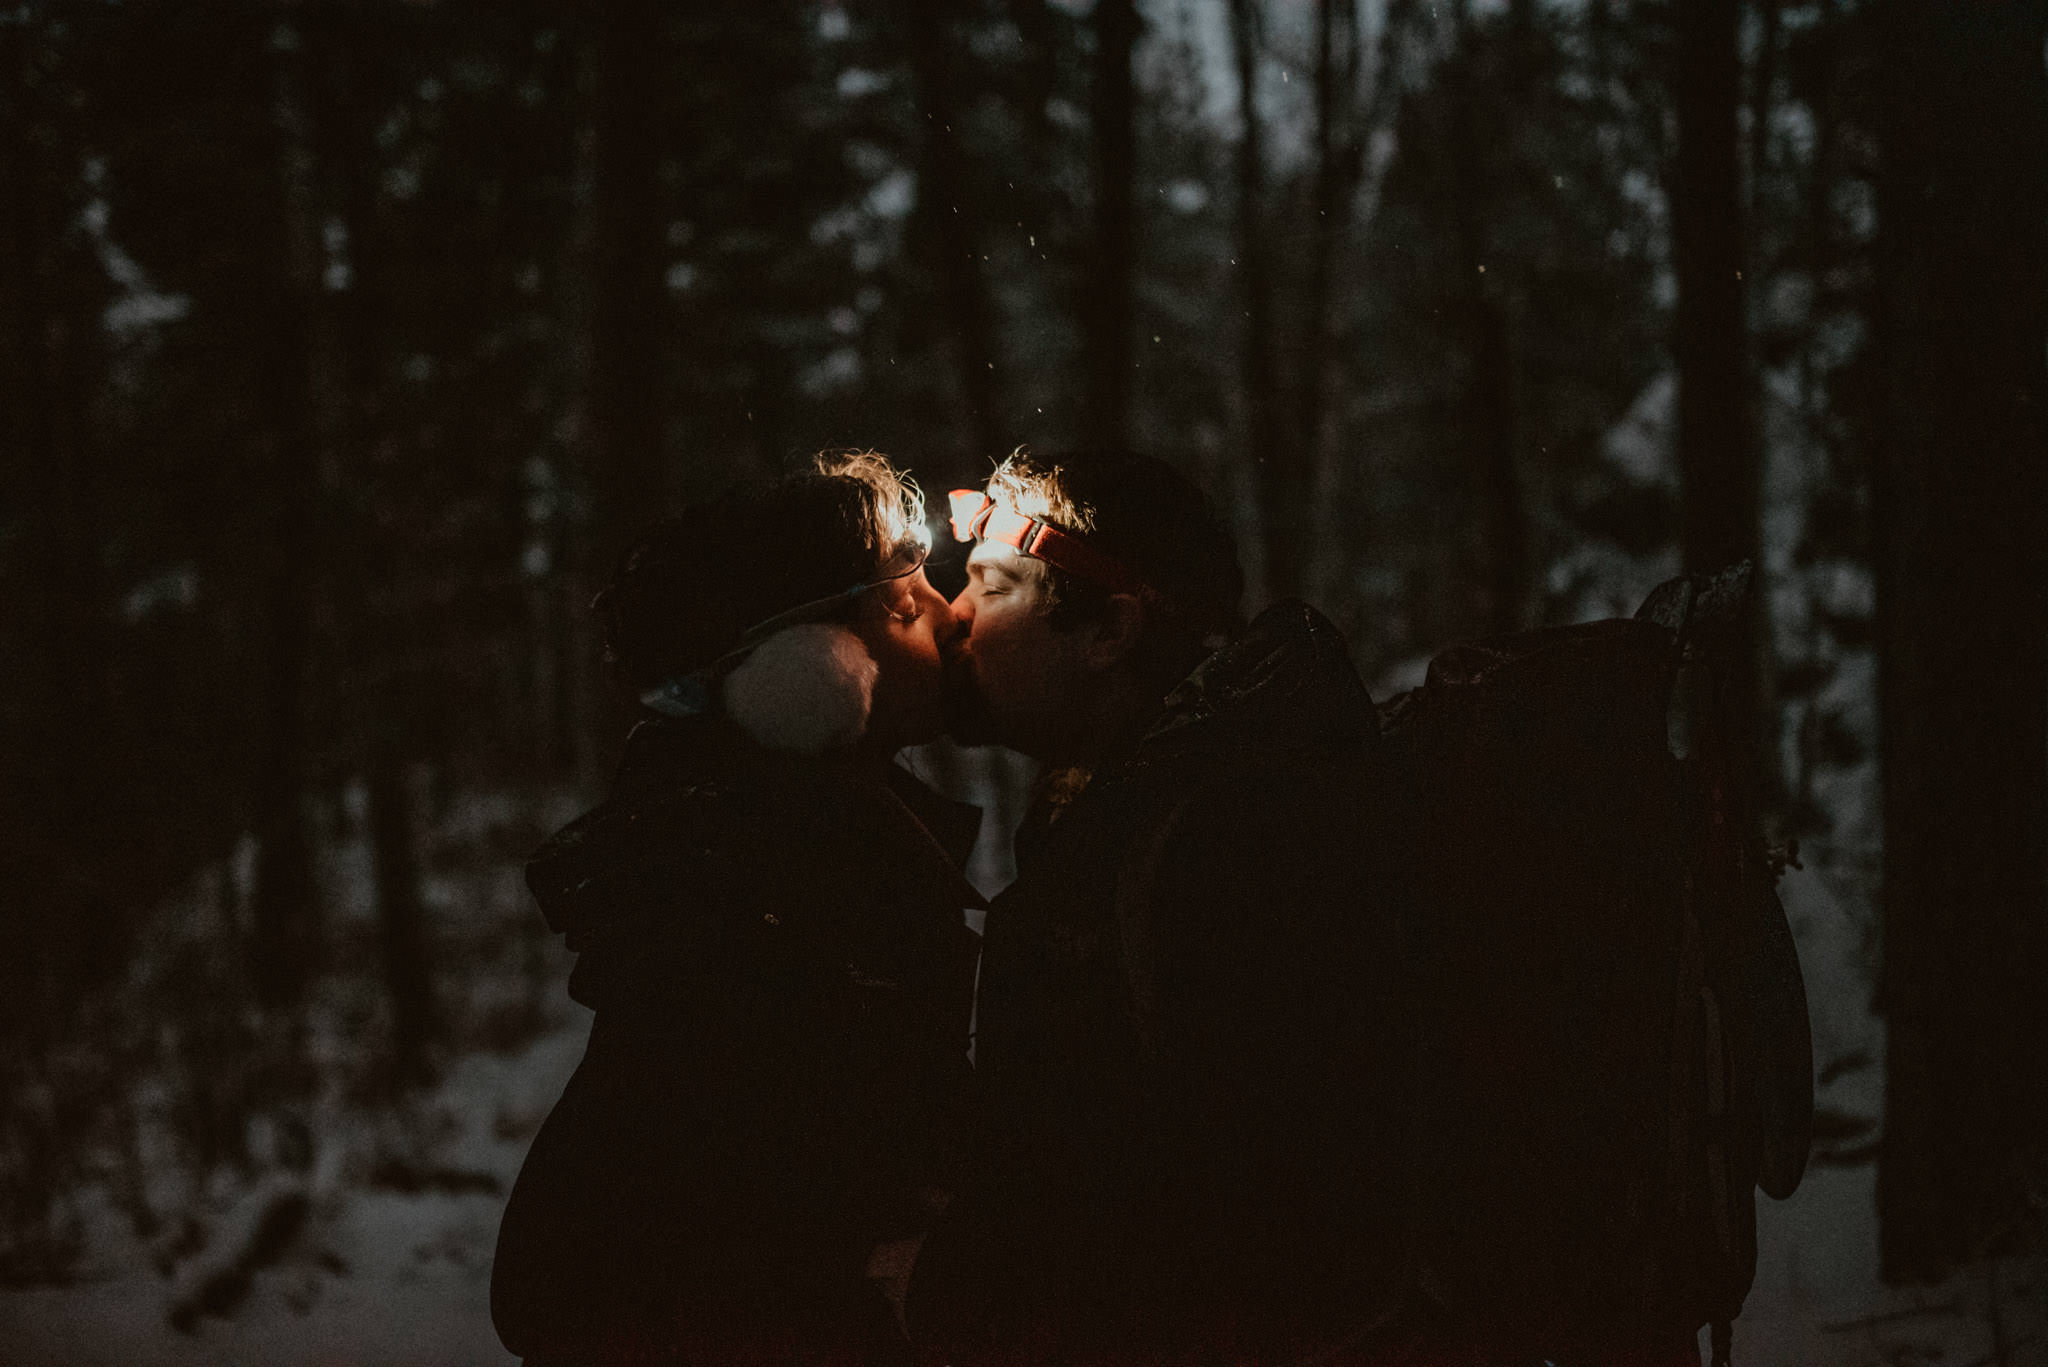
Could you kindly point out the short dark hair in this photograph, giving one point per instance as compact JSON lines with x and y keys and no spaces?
{"x":685,"y":592}
{"x":1158,"y":524}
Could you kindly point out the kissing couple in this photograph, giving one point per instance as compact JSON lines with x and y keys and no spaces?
{"x":1175,"y":1139}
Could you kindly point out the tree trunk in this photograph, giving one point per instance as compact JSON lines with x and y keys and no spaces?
{"x":381,"y":641}
{"x":554,"y":632}
{"x":1339,"y":154}
{"x":48,"y":450}
{"x":61,"y":751}
{"x":401,"y":919}
{"x":1719,"y":459}
{"x":1717,"y":447}
{"x":1762,"y":95}
{"x":612,"y":300}
{"x":1107,"y":312}
{"x":1818,"y":229}
{"x":74,"y":358}
{"x":285,"y":909}
{"x":580,"y":566}
{"x":1963,"y":624}
{"x":284,"y":912}
{"x":27,"y":432}
{"x":1265,"y":442}
{"x":950,"y":208}
{"x":1504,"y":517}
{"x":1489,"y":358}
{"x":628,"y":296}
{"x":1040,"y":33}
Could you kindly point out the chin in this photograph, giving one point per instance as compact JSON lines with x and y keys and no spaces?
{"x":967,"y":718}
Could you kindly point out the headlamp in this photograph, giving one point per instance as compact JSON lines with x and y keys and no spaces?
{"x":976,"y":516}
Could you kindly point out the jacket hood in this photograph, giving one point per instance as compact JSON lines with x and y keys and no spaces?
{"x":699,"y":814}
{"x":1286,"y":680}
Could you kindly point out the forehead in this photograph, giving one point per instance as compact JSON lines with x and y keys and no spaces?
{"x":995,"y":555}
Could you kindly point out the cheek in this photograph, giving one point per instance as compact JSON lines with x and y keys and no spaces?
{"x":1008,"y":655}
{"x":909,"y":651}
{"x":924,"y":645}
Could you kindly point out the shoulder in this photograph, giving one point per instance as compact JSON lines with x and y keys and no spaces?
{"x":665,"y":888}
{"x":1249,"y":789}
{"x":606,"y":858}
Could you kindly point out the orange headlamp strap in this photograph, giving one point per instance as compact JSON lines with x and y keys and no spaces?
{"x":976,"y":516}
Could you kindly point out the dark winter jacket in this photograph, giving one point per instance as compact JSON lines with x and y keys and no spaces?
{"x":1188,"y":1047}
{"x":775,"y":952}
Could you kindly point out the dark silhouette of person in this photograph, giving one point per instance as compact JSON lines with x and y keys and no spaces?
{"x":1188,"y":1053}
{"x":767,"y":918}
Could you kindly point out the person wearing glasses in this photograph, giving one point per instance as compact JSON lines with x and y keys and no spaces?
{"x":766,"y":913}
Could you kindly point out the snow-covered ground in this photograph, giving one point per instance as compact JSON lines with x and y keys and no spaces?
{"x":1818,"y":1301}
{"x":381,"y":1276}
{"x":374,"y":1275}
{"x":381,"y":1252}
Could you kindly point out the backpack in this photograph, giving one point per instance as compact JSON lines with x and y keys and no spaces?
{"x":1613,"y":1048}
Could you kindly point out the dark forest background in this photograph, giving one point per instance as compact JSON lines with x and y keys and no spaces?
{"x":343,"y":344}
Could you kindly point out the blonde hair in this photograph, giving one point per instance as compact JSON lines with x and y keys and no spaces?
{"x":1022,"y":485}
{"x":895,"y":505}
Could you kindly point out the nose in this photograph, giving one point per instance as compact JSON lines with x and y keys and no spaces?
{"x":962,"y":608}
{"x":943,"y":624}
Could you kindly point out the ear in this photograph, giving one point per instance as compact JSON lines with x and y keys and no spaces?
{"x":1111,"y":637}
{"x":805,"y":690}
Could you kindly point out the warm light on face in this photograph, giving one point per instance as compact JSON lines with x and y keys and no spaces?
{"x":1007,"y":565}
{"x":982,"y":517}
{"x":1014,"y":676}
{"x":905,"y":627}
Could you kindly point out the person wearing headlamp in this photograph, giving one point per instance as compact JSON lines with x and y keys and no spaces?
{"x":1187,"y":1050}
{"x":766,"y":914}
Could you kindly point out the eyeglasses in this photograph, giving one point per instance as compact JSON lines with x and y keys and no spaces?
{"x":690,"y":693}
{"x":818,"y":609}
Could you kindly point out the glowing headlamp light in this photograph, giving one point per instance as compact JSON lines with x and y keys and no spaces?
{"x":976,"y":516}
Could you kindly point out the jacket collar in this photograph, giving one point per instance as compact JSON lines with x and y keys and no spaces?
{"x":1284,"y":684}
{"x":800,"y":824}
{"x":1288,"y":672}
